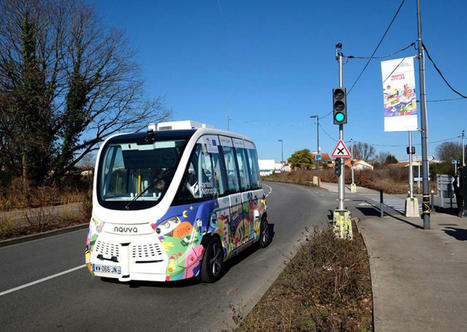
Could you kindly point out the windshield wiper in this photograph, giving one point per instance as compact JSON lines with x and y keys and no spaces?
{"x":155,"y":181}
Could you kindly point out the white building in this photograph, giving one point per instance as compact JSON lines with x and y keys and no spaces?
{"x":266,"y":166}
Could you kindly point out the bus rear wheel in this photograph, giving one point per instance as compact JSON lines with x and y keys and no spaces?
{"x":211,"y":267}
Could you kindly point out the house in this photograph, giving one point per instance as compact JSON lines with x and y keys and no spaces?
{"x":359,"y":165}
{"x":324,"y":156}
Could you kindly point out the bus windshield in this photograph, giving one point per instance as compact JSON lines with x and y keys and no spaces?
{"x":131,"y":169}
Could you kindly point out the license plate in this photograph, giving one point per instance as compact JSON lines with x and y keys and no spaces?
{"x":106,"y":269}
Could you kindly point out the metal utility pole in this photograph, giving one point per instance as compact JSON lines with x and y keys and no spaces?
{"x":353,"y":187}
{"x":317,"y":146}
{"x":410,"y":166}
{"x":424,"y":124}
{"x":341,"y":182}
{"x":463,"y":149}
{"x":282,"y":149}
{"x":341,"y":217}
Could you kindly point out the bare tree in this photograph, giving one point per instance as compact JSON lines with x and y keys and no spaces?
{"x":449,"y":151}
{"x":87,"y":85}
{"x":363,"y":151}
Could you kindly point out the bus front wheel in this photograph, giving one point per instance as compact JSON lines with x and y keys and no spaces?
{"x":211,"y":267}
{"x":264,"y":236}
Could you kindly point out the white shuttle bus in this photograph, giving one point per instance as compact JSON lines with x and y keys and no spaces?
{"x":174,"y":202}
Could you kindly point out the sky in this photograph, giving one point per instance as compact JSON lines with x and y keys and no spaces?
{"x":271,"y":64}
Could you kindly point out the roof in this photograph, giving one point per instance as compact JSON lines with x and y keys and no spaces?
{"x":348,"y":163}
{"x":324,"y":156}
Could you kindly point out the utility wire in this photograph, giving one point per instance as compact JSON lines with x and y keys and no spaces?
{"x":394,"y":70}
{"x":327,"y":134}
{"x":377,"y":46}
{"x":432,"y":142}
{"x":382,"y":56}
{"x":441,"y":74}
{"x":442,"y":100}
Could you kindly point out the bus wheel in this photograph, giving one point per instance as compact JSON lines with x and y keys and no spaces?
{"x":264,"y":236}
{"x":211,"y":267}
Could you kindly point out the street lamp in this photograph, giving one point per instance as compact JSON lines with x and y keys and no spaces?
{"x":317,"y":145}
{"x":282,"y":149}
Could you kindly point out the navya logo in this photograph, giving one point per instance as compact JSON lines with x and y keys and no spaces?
{"x":125,"y":229}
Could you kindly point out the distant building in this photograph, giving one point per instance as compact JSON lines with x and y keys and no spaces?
{"x":359,"y":165}
{"x":269,"y":166}
{"x":324,"y":156}
{"x":266,"y":166}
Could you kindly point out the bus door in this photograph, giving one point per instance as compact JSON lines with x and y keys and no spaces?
{"x":248,"y":232}
{"x":220,"y":215}
{"x":236,"y":230}
{"x":257,"y":192}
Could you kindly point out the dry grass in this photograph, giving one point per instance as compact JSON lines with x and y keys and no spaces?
{"x":326,"y":287}
{"x":393,"y":180}
{"x":46,"y":216}
{"x":15,"y":197}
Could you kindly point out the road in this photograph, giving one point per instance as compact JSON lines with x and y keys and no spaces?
{"x":44,"y":284}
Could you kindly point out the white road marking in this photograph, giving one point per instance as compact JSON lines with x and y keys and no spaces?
{"x":11,"y":290}
{"x":270,"y":189}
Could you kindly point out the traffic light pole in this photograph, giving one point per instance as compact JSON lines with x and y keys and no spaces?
{"x":424,"y":124}
{"x":341,"y":181}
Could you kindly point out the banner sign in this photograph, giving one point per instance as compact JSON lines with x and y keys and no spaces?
{"x":400,"y":101}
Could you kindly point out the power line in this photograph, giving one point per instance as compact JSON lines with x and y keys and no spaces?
{"x":440,"y":73}
{"x":442,"y":100}
{"x":402,"y":145}
{"x":377,"y":46}
{"x":327,"y":134}
{"x":394,"y":69}
{"x":381,"y":56}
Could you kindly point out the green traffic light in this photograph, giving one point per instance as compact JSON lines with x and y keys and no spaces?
{"x":339,"y":117}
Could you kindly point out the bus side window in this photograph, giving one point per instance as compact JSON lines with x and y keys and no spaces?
{"x":218,"y":174}
{"x":231,"y":168}
{"x":254,"y":169}
{"x":243,"y":168}
{"x":199,"y":180}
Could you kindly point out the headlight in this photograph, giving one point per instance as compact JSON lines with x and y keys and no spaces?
{"x":167,"y":225}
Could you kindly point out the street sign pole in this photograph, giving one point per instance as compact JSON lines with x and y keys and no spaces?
{"x":353,"y":187}
{"x":410,"y":165}
{"x":341,"y":181}
{"x":463,"y":149}
{"x":318,"y":152}
{"x":424,"y":123}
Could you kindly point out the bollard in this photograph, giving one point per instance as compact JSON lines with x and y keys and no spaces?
{"x":432,"y":200}
{"x":381,"y":203}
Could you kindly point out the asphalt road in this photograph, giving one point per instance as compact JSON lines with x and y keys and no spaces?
{"x":75,"y":301}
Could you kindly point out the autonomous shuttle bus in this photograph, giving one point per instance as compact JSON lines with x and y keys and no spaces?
{"x":174,"y":202}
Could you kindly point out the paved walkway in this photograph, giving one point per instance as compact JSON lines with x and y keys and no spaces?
{"x":394,"y":202}
{"x":419,"y":276}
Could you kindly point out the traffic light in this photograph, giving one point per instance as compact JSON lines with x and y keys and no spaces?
{"x":339,"y":105}
{"x":338,"y":166}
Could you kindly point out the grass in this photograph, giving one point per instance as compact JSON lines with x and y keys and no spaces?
{"x":41,"y":219}
{"x":15,"y":197}
{"x":325,"y":287}
{"x":392,"y":180}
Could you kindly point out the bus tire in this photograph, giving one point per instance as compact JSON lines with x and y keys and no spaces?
{"x":212,"y":265}
{"x":264,"y":235}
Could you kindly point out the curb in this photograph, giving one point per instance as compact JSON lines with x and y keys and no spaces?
{"x":31,"y":237}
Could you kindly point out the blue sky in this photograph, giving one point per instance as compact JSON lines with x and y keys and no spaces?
{"x":272,"y":63}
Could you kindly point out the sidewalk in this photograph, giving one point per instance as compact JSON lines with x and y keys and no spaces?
{"x":419,"y":277}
